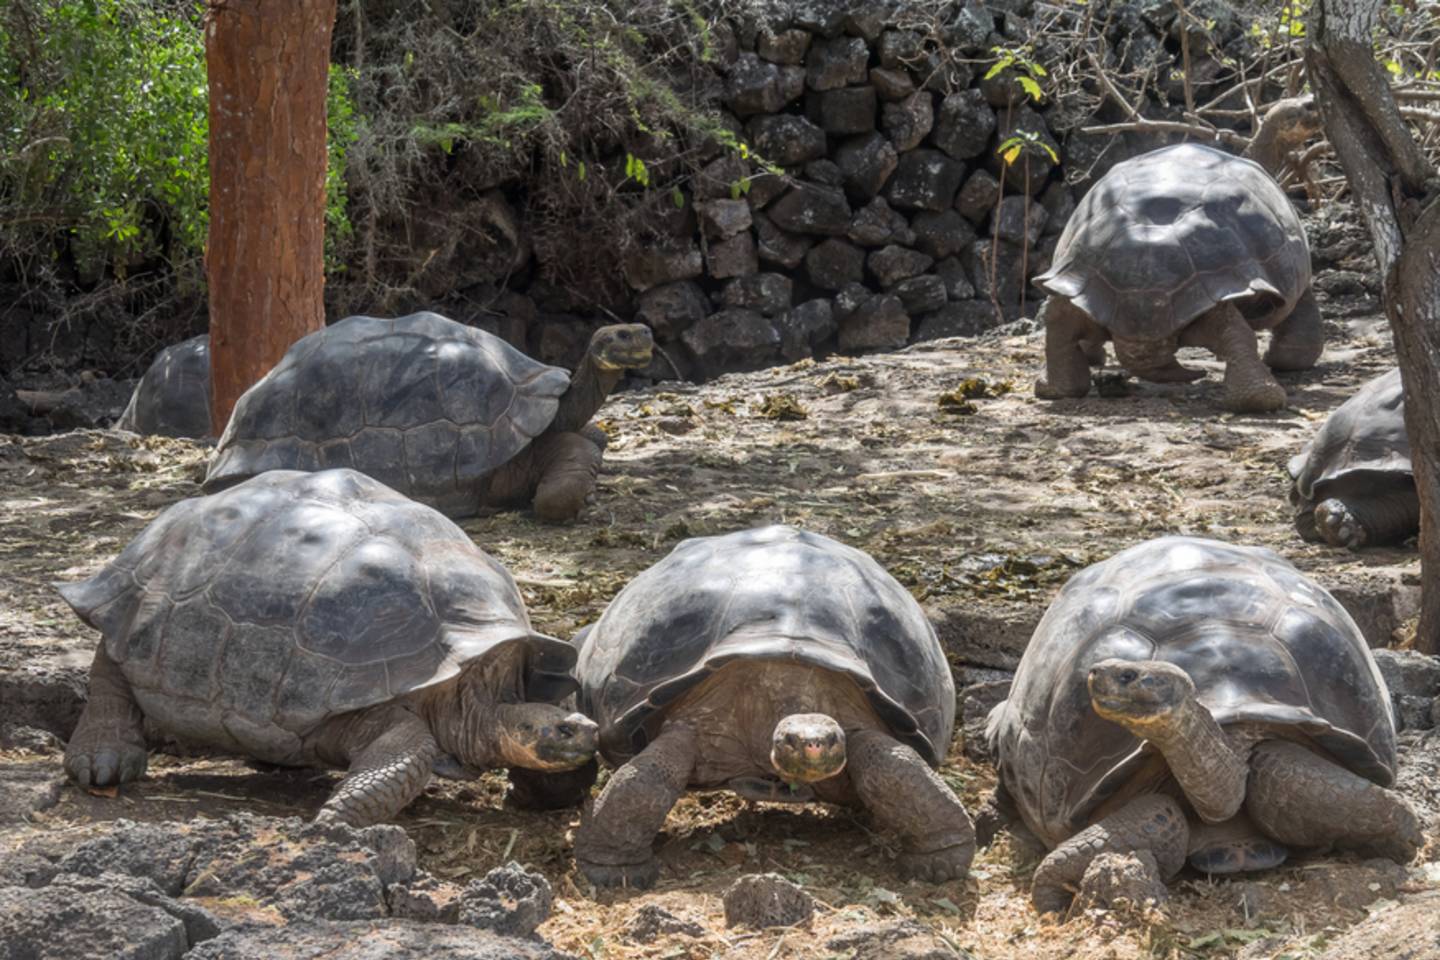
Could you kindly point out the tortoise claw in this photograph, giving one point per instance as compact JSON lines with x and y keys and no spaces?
{"x":939,"y":866}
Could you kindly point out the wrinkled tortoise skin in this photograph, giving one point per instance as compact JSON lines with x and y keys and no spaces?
{"x":1163,"y":237}
{"x":714,"y":600}
{"x":1362,"y":441}
{"x":245,"y":619}
{"x":425,"y":405}
{"x":1261,"y":642}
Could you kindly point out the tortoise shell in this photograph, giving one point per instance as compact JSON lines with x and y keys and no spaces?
{"x":172,"y":399}
{"x":1362,"y":439}
{"x":768,"y":593}
{"x":1262,"y":643}
{"x":247,"y":618}
{"x":425,"y":405}
{"x":1165,"y":236}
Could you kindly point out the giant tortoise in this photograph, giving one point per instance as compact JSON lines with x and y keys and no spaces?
{"x":320,"y":618}
{"x":1184,"y":245}
{"x":1188,"y":697}
{"x":1354,"y":485}
{"x":779,"y":664}
{"x":172,"y":399}
{"x":448,"y":414}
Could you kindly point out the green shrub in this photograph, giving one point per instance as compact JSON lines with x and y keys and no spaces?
{"x":103,"y":135}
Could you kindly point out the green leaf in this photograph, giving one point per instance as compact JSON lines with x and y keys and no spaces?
{"x":745,"y":185}
{"x":1031,"y":87}
{"x":735,"y":190}
{"x":580,"y":172}
{"x":1011,"y":155}
{"x":677,"y":198}
{"x":999,"y":65}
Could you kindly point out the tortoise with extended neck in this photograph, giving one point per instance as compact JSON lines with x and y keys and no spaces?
{"x":1354,"y":484}
{"x":1197,"y":699}
{"x":781,"y":665}
{"x":447,"y":414}
{"x":320,"y":618}
{"x":172,"y":399}
{"x":1187,"y":246}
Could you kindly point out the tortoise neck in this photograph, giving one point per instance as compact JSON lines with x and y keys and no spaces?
{"x":1210,"y":767}
{"x":1266,"y":148}
{"x":465,"y":725}
{"x":590,"y":384}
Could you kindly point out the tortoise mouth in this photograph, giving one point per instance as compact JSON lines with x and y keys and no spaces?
{"x":624,"y":358}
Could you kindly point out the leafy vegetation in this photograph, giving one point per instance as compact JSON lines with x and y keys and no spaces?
{"x":103,"y":139}
{"x":102,"y":132}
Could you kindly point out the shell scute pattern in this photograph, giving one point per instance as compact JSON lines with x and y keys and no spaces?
{"x":1166,"y":236}
{"x":173,"y":396}
{"x":1262,"y":643}
{"x":769,"y":593}
{"x":425,"y":404}
{"x":1365,"y":435}
{"x":251,"y":616}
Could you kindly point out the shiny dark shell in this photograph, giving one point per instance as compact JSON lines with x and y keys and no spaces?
{"x":768,"y":593}
{"x":172,"y":399}
{"x":1262,"y":642}
{"x":1363,"y":440}
{"x":423,"y":404}
{"x":1163,"y":237}
{"x":247,"y":618}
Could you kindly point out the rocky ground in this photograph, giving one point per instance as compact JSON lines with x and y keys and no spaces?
{"x":936,"y":459}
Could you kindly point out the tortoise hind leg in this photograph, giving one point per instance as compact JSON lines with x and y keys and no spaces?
{"x":1152,"y":822}
{"x":1067,"y":365}
{"x":1299,"y":339}
{"x":391,"y":758}
{"x":612,"y":846}
{"x":1378,"y":518}
{"x":1303,"y":800}
{"x":566,"y":466}
{"x":1249,"y":385}
{"x":108,"y":745}
{"x":904,"y":794}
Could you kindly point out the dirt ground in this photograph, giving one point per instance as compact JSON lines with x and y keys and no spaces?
{"x":982,"y":507}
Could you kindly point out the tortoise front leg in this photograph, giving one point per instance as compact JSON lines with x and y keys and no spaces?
{"x":1304,"y":800}
{"x":566,"y":468}
{"x":612,"y":846}
{"x":1153,"y":822}
{"x":902,"y":793}
{"x":1067,"y":362}
{"x":1381,"y":517}
{"x":108,"y":745}
{"x":387,"y":770}
{"x":1249,"y":385}
{"x":1298,"y":340}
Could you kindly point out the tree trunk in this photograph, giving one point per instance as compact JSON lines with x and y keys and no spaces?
{"x":268,"y":63}
{"x":1396,"y":191}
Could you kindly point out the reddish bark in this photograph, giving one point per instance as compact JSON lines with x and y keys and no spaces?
{"x":268,"y":63}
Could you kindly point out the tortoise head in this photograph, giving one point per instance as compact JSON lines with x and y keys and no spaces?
{"x":1139,"y":695}
{"x":807,"y":747}
{"x":542,"y":736}
{"x":1293,"y":121}
{"x":622,"y":346}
